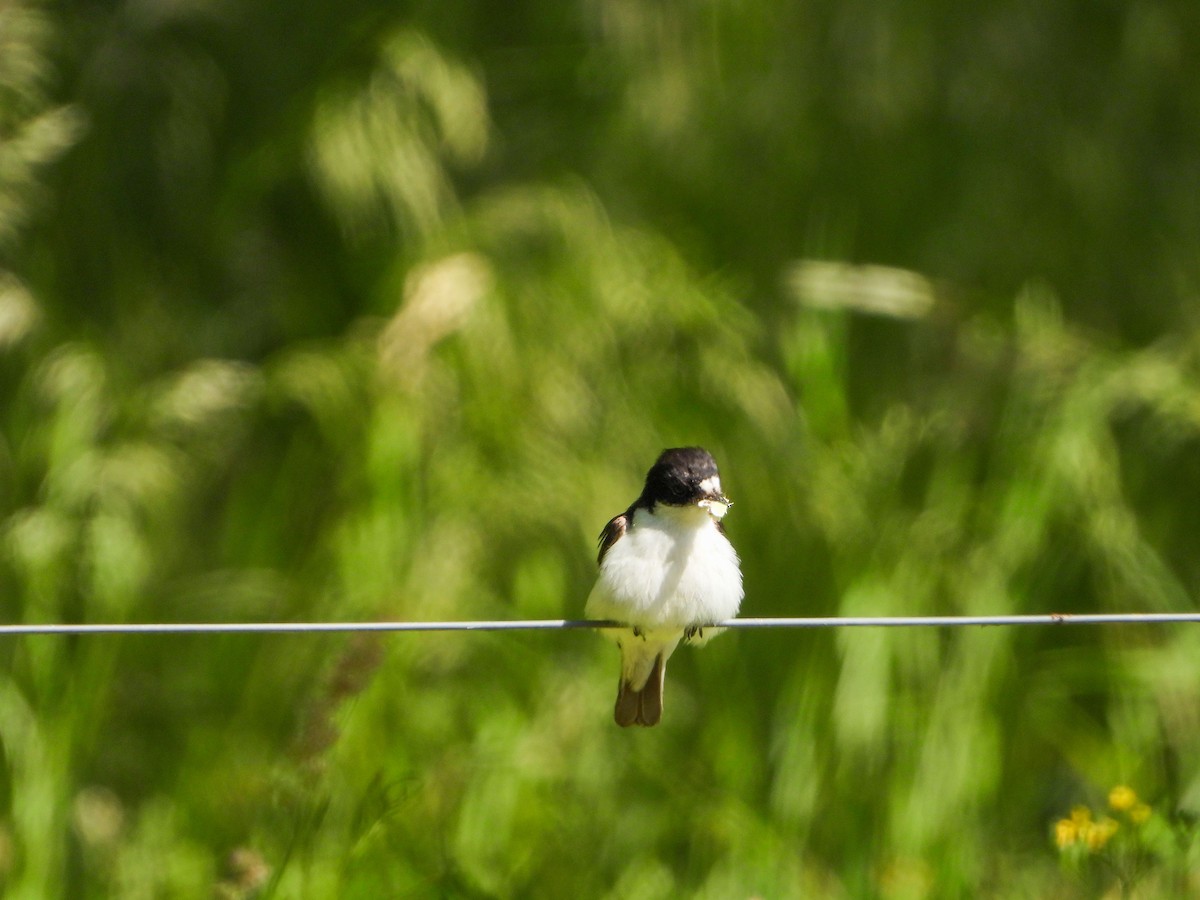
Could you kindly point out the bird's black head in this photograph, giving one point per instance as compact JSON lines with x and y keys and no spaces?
{"x":683,"y":476}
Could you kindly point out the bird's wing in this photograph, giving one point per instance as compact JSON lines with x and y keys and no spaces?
{"x":612,"y":533}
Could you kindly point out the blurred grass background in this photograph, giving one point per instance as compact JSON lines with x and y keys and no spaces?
{"x":319,"y":311}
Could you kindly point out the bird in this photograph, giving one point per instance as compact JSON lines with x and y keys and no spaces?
{"x":667,"y":573}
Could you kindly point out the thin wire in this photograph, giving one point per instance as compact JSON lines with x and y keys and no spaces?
{"x":561,"y":624}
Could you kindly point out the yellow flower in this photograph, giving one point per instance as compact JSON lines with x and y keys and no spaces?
{"x":1081,"y":815}
{"x":1139,"y":814}
{"x":1122,"y":798}
{"x":1097,"y":834}
{"x":1066,"y":832}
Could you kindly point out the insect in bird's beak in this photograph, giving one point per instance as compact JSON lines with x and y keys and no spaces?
{"x":717,"y":505}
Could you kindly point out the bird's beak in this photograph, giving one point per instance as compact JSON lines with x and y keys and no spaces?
{"x":716,"y":503}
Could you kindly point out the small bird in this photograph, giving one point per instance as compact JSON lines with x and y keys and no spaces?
{"x":668,"y":571}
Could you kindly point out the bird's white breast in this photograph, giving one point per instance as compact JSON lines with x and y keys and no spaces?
{"x":672,"y":567}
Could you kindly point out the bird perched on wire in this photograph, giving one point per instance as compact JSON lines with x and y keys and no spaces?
{"x":668,"y":571}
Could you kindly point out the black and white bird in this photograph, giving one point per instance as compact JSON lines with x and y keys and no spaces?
{"x":668,"y":571}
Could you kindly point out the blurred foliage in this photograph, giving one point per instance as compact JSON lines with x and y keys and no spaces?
{"x":1135,"y":847}
{"x":322,"y":312}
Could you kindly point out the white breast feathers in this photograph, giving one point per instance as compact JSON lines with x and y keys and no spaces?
{"x":672,"y":567}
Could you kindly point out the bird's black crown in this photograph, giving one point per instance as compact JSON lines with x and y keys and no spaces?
{"x":677,"y":476}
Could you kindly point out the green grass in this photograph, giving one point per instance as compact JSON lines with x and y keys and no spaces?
{"x":391,"y":327}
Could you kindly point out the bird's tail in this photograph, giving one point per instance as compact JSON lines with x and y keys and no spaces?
{"x":641,"y":706}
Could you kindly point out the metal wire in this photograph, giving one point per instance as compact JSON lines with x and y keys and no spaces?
{"x":561,"y":624}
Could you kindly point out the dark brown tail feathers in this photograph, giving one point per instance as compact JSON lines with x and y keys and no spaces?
{"x":643,"y":707}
